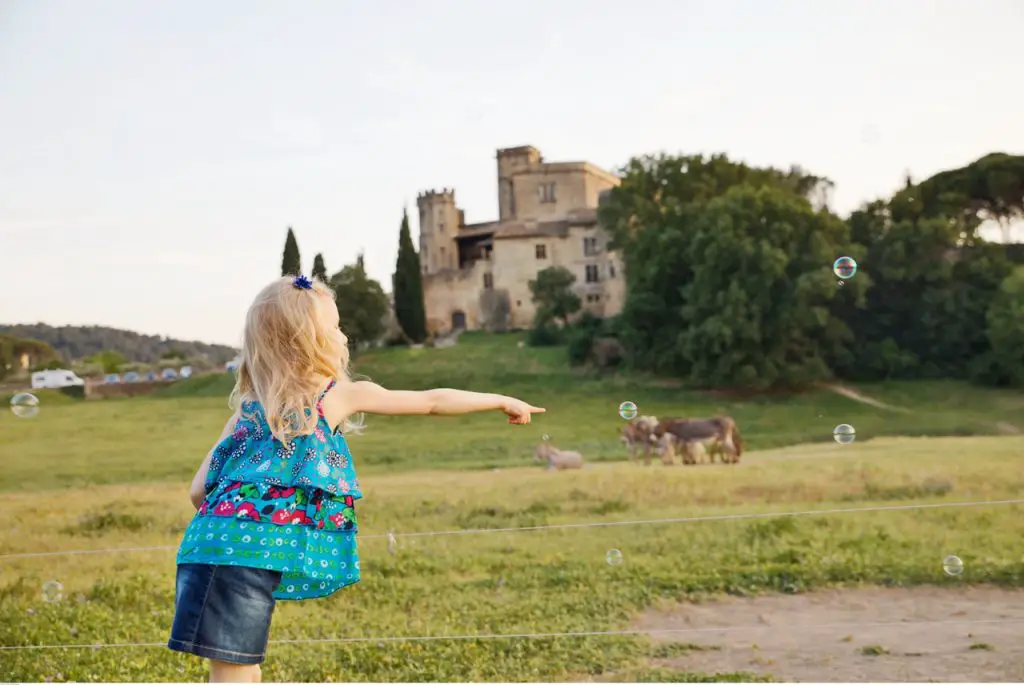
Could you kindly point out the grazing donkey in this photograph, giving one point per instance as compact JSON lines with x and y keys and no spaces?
{"x":640,"y":433}
{"x":716,"y":435}
{"x":557,"y":459}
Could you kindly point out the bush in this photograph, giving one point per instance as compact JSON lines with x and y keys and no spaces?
{"x":581,"y":342}
{"x":608,"y":353}
{"x":76,"y":391}
{"x":592,"y":339}
{"x":546,"y":335}
{"x":589,"y":322}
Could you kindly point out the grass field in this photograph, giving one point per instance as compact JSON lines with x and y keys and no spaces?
{"x":114,"y":473}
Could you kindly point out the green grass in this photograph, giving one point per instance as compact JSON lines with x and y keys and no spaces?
{"x":114,"y":473}
{"x":161,"y":438}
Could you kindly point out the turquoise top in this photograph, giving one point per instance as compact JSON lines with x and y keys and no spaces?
{"x":288,"y":508}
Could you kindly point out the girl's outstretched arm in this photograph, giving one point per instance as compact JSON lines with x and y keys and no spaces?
{"x":347,"y":399}
{"x":197,"y":491}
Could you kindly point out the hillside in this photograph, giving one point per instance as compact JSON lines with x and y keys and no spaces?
{"x":78,"y":342}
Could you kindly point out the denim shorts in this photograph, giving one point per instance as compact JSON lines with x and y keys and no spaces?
{"x":223,"y":612}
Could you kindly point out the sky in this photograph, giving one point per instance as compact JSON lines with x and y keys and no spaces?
{"x":152,"y":155}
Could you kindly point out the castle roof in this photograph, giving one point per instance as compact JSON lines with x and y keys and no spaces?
{"x":550,"y":229}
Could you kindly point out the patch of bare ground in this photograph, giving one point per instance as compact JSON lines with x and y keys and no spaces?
{"x":857,"y":396}
{"x":968,"y":634}
{"x":1006,"y":428}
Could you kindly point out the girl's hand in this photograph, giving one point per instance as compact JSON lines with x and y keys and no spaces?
{"x":519,"y":412}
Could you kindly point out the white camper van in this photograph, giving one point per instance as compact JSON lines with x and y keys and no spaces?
{"x":55,"y":378}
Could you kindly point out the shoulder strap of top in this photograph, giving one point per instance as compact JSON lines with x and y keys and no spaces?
{"x":320,"y":400}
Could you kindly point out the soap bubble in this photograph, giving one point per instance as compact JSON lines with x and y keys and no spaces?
{"x":952,"y":565}
{"x":845,"y":268}
{"x":546,"y":437}
{"x":25,"y":405}
{"x":627,"y":410}
{"x":614,"y":557}
{"x":844,"y":434}
{"x":52,"y":591}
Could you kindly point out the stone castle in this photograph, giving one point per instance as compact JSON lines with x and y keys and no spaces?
{"x":476,"y":276}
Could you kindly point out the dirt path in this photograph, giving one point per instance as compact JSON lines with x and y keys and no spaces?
{"x":856,"y":396}
{"x":1001,"y":427}
{"x":864,"y":635}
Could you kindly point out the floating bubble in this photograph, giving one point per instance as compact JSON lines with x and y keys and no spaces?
{"x":844,"y":434}
{"x":546,"y":437}
{"x":840,"y":283}
{"x":952,"y":565}
{"x":25,"y":405}
{"x":845,"y":268}
{"x":52,"y":591}
{"x":614,"y":557}
{"x":627,"y":410}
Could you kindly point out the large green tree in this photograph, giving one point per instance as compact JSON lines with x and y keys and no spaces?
{"x":362,"y":305}
{"x":553,"y":296}
{"x":989,"y":188}
{"x":933,"y":279}
{"x":655,"y":215}
{"x":759,"y":311}
{"x":291,"y":261}
{"x":319,"y":268}
{"x":407,"y":287}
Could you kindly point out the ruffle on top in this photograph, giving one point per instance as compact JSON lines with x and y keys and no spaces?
{"x":320,"y":461}
{"x":280,"y":505}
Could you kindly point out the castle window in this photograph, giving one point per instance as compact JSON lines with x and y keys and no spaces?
{"x":589,"y":247}
{"x":488,"y":281}
{"x":611,"y":269}
{"x":546,"y":192}
{"x":593,"y":298}
{"x":591,"y":275}
{"x":541,"y":251}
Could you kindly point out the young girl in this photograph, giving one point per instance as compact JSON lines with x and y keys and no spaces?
{"x":275,"y":497}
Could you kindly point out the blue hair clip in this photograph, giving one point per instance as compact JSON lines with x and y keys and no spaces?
{"x":302,"y":283}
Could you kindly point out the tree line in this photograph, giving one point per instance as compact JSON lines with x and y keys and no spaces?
{"x":101,"y":349}
{"x":730,"y":284}
{"x":363,"y":306}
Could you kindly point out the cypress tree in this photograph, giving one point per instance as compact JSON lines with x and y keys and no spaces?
{"x":407,"y":287}
{"x":291,"y":263}
{"x":319,"y":269}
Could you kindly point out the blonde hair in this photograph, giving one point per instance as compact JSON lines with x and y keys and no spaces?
{"x":287,"y":353}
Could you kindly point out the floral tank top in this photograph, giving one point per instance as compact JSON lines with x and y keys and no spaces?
{"x":287,"y":508}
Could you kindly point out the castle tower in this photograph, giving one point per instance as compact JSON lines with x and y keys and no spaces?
{"x":511,"y":161}
{"x":439,"y":224}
